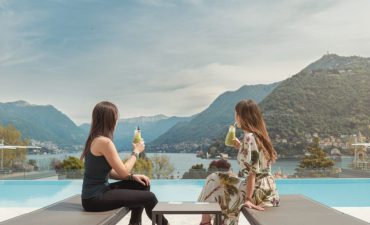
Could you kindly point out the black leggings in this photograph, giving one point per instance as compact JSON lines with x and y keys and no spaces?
{"x":125,"y":193}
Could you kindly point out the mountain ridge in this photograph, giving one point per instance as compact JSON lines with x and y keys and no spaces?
{"x":211,"y":122}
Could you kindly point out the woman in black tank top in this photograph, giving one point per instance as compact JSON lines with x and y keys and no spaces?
{"x":103,"y":162}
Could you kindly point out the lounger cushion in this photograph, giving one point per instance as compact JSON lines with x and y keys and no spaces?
{"x":299,"y":210}
{"x":65,"y":212}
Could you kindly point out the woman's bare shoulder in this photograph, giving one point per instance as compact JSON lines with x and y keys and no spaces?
{"x":100,"y":143}
{"x":102,"y":140}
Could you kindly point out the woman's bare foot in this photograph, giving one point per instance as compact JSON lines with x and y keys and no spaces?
{"x":206,"y":219}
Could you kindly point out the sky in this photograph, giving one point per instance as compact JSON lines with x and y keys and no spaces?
{"x":165,"y":57}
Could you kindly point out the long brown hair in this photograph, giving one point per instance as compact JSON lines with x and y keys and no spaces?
{"x":251,"y":120}
{"x":104,"y":119}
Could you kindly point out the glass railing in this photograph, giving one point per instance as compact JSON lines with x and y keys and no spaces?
{"x":192,"y":173}
{"x":9,"y":174}
{"x":184,"y":166}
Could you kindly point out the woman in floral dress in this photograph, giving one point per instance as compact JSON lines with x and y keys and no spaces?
{"x":255,"y":187}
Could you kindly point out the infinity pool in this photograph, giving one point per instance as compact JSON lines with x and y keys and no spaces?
{"x":332,"y":192}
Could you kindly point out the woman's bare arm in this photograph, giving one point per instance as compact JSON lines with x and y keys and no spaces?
{"x":114,"y":175}
{"x":237,"y":144}
{"x":251,"y":181}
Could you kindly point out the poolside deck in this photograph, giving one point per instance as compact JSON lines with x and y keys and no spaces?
{"x":177,"y":220}
{"x":359,"y":212}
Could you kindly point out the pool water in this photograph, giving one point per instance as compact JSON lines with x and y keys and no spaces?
{"x":331,"y":192}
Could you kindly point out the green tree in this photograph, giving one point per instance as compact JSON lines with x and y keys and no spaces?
{"x":316,"y":164}
{"x":142,"y":165}
{"x":218,"y":146}
{"x":317,"y":158}
{"x":73,"y":167}
{"x":197,"y":171}
{"x":162,"y":168}
{"x":197,"y":167}
{"x":72,"y":163}
{"x":12,"y":136}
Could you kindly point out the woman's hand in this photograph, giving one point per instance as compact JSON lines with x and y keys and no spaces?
{"x":250,"y":205}
{"x":142,"y":179}
{"x":139,"y":147}
{"x":236,"y":143}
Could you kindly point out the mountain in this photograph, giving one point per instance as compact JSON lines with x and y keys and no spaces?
{"x":41,"y":122}
{"x":330,"y":97}
{"x":210,"y":123}
{"x":85,"y":127}
{"x":151,"y":128}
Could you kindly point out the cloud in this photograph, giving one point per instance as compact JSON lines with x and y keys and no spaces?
{"x":171,"y":57}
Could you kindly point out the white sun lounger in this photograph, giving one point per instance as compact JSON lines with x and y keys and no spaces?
{"x":300,"y":210}
{"x":65,"y":212}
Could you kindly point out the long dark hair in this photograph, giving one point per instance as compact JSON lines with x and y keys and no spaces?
{"x":251,"y":120}
{"x":104,"y":119}
{"x":222,"y":164}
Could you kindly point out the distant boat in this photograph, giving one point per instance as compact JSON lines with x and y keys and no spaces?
{"x":337,"y":158}
{"x":200,"y":154}
{"x":335,"y":155}
{"x":224,"y":156}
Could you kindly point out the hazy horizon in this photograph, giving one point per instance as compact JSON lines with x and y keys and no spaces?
{"x":135,"y":116}
{"x":161,"y":57}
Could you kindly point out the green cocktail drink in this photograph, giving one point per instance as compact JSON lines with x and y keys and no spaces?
{"x":137,"y":136}
{"x":230,"y":137}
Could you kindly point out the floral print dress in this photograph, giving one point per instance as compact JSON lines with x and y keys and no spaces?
{"x":229,"y":190}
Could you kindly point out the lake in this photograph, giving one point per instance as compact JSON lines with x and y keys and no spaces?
{"x":183,"y":161}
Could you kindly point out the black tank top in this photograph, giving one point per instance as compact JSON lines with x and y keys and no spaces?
{"x":96,"y":176}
